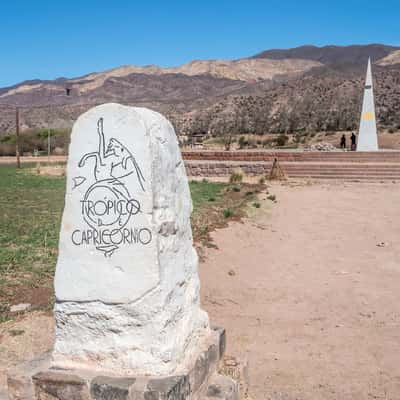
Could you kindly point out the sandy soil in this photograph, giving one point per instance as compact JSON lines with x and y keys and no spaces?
{"x":23,"y":339}
{"x":306,"y":294}
{"x":31,"y":159}
{"x":314,"y":304}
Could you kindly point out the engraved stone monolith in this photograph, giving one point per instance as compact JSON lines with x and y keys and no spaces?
{"x":127,"y":286}
{"x":128,"y":318}
{"x":367,"y":136}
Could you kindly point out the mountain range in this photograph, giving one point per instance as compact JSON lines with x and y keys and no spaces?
{"x":307,"y":88}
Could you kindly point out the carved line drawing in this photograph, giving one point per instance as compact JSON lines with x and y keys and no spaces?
{"x":78,"y":180}
{"x":106,"y":160}
{"x":110,"y":166}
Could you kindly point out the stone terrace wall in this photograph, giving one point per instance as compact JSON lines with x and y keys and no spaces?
{"x":344,"y":170}
{"x":218,"y":169}
{"x":292,"y":156}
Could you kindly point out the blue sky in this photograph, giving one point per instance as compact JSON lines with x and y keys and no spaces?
{"x":48,"y":39}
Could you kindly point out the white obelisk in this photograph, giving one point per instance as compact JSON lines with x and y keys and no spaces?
{"x":367,"y":136}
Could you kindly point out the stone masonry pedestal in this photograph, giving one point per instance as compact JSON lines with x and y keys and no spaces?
{"x":37,"y":380}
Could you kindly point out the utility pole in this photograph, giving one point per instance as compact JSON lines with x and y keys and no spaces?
{"x":17,"y":138}
{"x":48,"y":145}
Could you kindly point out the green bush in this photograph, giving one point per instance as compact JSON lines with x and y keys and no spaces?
{"x":228,"y":212}
{"x":32,"y":140}
{"x":282,"y":139}
{"x":242,"y":142}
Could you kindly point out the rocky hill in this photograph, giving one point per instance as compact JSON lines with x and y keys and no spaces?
{"x":296,"y":90}
{"x":391,"y":59}
{"x":322,"y":100}
{"x":332,"y":55}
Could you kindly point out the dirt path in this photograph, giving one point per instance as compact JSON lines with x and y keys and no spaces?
{"x":314,"y":304}
{"x":31,"y":159}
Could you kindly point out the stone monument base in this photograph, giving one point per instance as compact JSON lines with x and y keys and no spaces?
{"x":37,"y":380}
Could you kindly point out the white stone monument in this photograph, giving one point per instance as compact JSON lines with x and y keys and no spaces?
{"x":126,"y":277}
{"x":367,"y":135}
{"x":127,"y":286}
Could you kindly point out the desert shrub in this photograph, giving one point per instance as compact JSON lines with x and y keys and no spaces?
{"x":228,"y":212}
{"x":242,"y":142}
{"x":35,"y":140}
{"x":268,"y":142}
{"x":282,"y":139}
{"x":271,"y":197}
{"x":297,"y":138}
{"x":7,"y":138}
{"x":256,"y":205}
{"x":236,"y":177}
{"x":203,"y":230}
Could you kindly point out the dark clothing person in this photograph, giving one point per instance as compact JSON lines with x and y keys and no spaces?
{"x":353,"y":141}
{"x":343,"y":142}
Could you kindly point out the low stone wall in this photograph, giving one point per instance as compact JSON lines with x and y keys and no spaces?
{"x":374,"y":171}
{"x":210,"y":169}
{"x":207,"y":155}
{"x":292,"y":156}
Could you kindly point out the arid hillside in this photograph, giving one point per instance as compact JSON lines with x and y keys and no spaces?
{"x":291,"y":91}
{"x":324,"y":99}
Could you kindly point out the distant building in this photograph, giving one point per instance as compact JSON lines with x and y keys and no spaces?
{"x":198,"y":138}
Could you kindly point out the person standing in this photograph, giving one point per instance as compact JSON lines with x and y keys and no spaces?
{"x":343,"y":142}
{"x":353,"y":141}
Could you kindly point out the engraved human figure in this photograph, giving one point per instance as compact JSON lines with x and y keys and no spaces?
{"x":115,"y":162}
